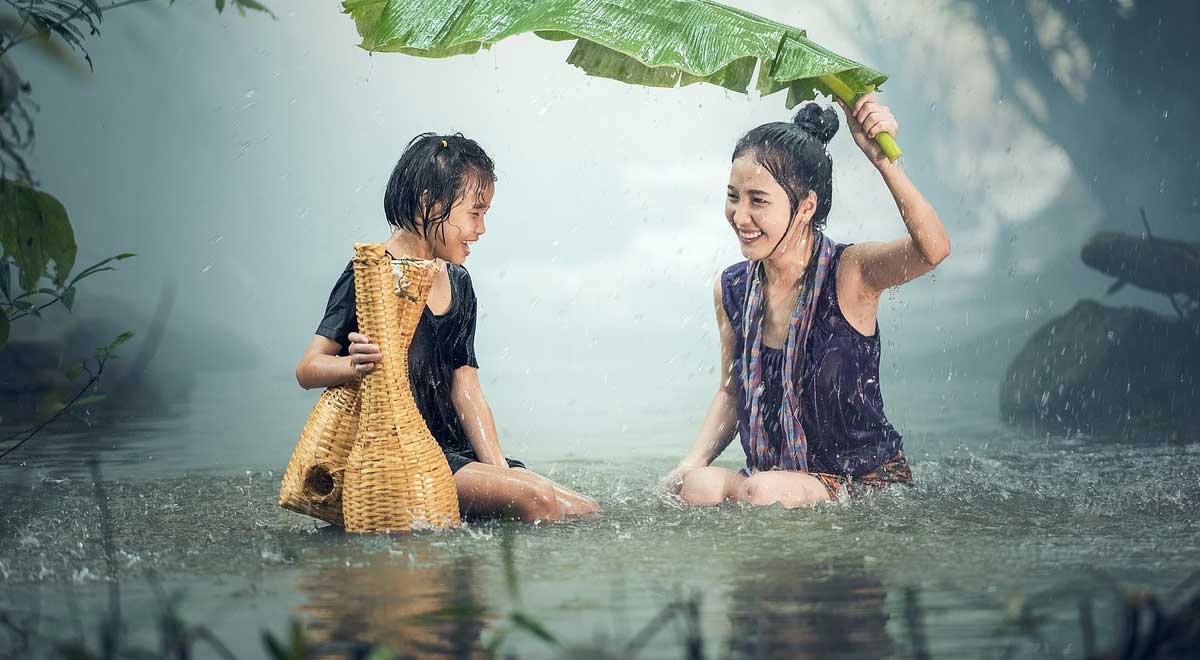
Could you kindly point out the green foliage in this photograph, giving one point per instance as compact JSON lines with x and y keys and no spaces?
{"x":35,"y":232}
{"x":661,"y":43}
{"x":55,"y":404}
{"x":296,"y":648}
{"x":68,"y":20}
{"x":243,"y":5}
{"x":16,"y":304}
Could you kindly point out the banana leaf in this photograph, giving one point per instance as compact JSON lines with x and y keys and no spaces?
{"x":660,"y":43}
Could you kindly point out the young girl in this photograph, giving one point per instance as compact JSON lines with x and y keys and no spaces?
{"x":799,"y":339}
{"x":435,"y":202}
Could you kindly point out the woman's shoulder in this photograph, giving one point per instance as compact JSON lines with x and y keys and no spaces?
{"x":733,"y":287}
{"x":734,"y":275}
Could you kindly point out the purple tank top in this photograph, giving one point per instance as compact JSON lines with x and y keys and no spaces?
{"x":841,"y":404}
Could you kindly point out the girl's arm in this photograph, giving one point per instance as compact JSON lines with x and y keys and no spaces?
{"x":878,"y":266}
{"x":720,"y":422}
{"x":321,"y":366}
{"x":476,"y":416}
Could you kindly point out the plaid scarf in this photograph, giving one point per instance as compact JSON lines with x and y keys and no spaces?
{"x":793,"y":453}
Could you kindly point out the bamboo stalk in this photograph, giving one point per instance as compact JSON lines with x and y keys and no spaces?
{"x":843,"y":91}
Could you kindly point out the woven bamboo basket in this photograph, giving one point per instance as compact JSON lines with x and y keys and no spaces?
{"x":312,"y":483}
{"x":397,"y":478}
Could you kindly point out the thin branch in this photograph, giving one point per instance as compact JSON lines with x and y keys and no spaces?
{"x":35,"y":430}
{"x":35,"y":310}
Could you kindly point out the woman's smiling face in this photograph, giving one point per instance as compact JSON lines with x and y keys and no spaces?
{"x":758,"y":209}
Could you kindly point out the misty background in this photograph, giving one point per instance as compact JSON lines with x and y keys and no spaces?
{"x":241,"y":157}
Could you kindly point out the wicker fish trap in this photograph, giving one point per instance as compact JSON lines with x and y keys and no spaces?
{"x":312,"y":483}
{"x":396,"y":478}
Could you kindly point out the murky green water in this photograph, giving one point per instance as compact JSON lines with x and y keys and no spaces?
{"x":996,"y":513}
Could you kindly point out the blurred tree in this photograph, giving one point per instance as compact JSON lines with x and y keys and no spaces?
{"x":1106,"y":81}
{"x":37,"y":241}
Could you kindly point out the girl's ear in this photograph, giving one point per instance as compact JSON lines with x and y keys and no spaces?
{"x":420,"y":219}
{"x":807,"y":207}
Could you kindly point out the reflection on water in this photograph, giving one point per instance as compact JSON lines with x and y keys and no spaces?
{"x":995,"y":512}
{"x":787,"y":609}
{"x":410,"y":605}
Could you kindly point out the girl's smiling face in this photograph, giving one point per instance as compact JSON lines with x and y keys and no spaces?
{"x":758,"y":209}
{"x":452,"y":240}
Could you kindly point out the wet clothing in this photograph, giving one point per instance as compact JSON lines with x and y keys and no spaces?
{"x":440,"y":345}
{"x":849,"y":437}
{"x":459,"y":460}
{"x":893,"y":471}
{"x":791,"y":451}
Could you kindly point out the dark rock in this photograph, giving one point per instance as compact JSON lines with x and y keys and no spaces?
{"x":1101,"y":369}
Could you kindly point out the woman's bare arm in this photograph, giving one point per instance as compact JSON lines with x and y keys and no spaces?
{"x":720,"y":421}
{"x":877,"y":266}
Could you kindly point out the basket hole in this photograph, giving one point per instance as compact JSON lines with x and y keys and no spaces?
{"x":318,"y":483}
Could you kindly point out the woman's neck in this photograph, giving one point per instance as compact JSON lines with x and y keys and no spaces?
{"x":408,"y":244}
{"x":787,"y":266}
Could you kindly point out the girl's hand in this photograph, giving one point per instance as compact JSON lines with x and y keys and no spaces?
{"x":868,"y":119}
{"x":673,"y":482}
{"x":363,"y":354}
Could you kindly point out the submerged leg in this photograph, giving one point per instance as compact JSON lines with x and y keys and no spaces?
{"x":791,"y":489}
{"x":488,"y":491}
{"x":710,"y":486}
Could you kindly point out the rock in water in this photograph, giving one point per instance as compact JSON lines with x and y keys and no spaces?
{"x":1102,"y":369}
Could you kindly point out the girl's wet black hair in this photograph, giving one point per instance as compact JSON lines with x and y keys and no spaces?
{"x":795,"y":154}
{"x":433,"y":173}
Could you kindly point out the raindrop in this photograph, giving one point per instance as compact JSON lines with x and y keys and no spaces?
{"x":249,"y":94}
{"x":217,"y":239}
{"x":207,"y":268}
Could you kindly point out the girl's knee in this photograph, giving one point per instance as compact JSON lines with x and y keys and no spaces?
{"x":762,"y":490}
{"x":704,"y":487}
{"x":757,"y":492}
{"x":538,"y":503}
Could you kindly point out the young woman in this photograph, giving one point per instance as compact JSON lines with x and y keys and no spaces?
{"x":436,"y":200}
{"x":797,"y":320}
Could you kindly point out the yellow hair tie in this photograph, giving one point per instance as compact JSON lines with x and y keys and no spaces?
{"x":444,"y":144}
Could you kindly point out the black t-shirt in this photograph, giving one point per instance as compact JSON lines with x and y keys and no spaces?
{"x":441,"y":345}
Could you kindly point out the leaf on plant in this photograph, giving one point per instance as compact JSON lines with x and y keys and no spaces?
{"x":661,"y":43}
{"x":4,"y":328}
{"x":35,"y":232}
{"x":252,"y":5}
{"x":100,"y":266}
{"x":51,"y":402}
{"x":121,"y":339}
{"x":68,"y":298}
{"x":5,"y":279}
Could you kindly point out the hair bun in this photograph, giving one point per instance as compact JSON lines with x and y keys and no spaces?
{"x":821,"y":123}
